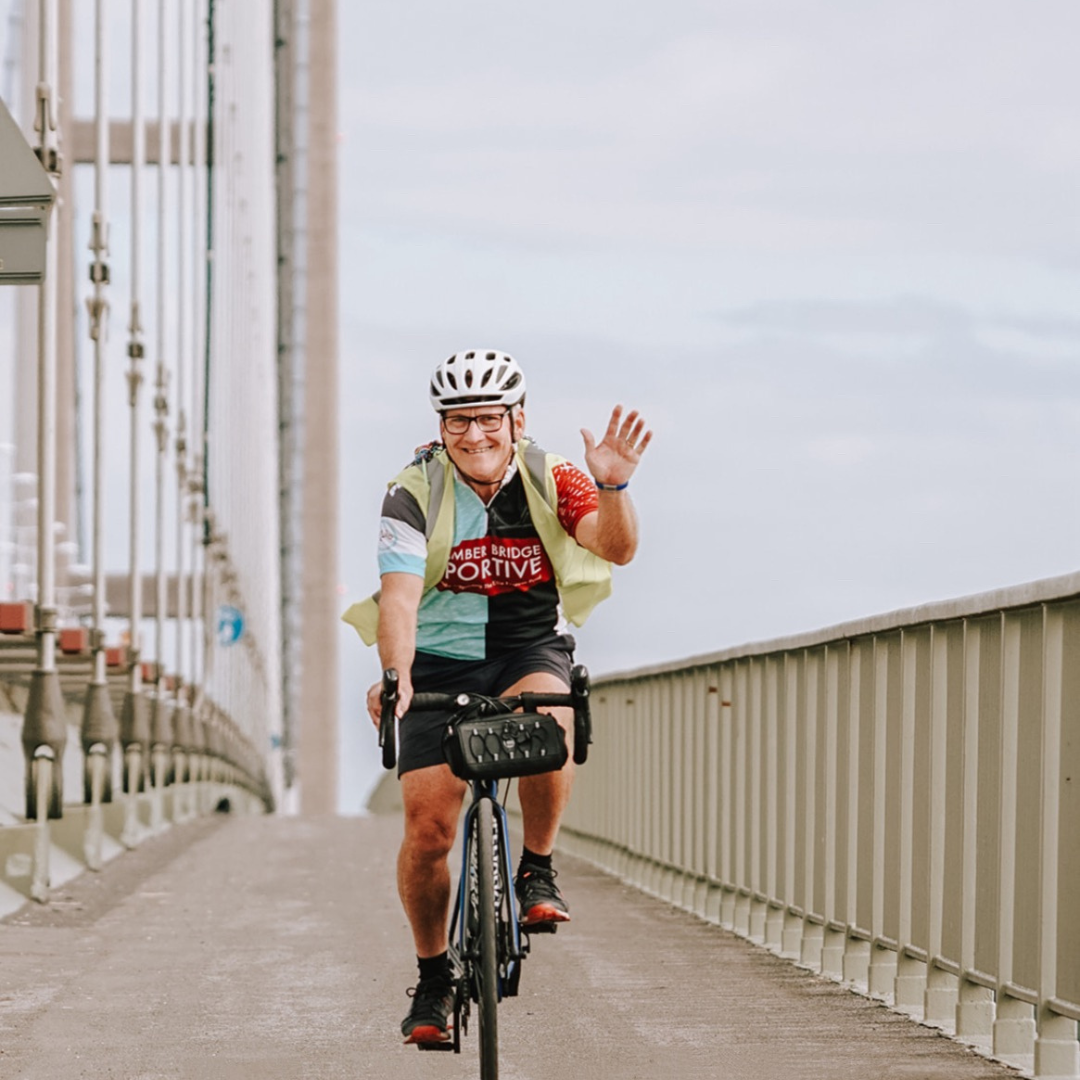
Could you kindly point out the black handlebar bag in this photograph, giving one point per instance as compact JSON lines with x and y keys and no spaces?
{"x":506,"y":745}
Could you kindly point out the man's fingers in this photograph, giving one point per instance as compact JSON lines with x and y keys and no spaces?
{"x":625,"y":436}
{"x":638,"y":428}
{"x":374,"y":705}
{"x":628,"y":424}
{"x":633,"y":435}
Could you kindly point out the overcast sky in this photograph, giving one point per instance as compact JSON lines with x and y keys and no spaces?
{"x":831,"y":249}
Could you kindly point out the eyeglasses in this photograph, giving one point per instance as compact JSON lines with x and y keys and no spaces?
{"x":458,"y":425}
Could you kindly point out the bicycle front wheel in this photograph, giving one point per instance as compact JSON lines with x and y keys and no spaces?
{"x":487,"y":961}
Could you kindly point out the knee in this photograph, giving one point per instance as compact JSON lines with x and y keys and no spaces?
{"x":428,"y":838}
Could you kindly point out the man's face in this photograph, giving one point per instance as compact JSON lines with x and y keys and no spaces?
{"x":482,"y":456}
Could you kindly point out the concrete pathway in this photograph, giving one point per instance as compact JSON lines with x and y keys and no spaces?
{"x":263,"y":948}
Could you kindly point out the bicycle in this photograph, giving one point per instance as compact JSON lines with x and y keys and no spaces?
{"x":488,"y":741}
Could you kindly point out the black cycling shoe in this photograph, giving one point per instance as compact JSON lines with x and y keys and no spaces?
{"x":539,"y":897}
{"x":427,"y":1022}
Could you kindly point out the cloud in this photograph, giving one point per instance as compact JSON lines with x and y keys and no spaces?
{"x":902,"y":317}
{"x":749,"y":128}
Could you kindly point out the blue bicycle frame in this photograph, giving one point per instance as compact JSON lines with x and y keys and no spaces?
{"x":511,"y":952}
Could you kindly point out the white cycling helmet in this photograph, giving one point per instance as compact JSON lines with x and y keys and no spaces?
{"x":477,"y":377}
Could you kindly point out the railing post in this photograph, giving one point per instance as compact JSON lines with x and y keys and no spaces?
{"x":940,"y":997}
{"x":135,"y":739}
{"x":698,"y":687}
{"x":1014,"y":1022}
{"x":856,"y":962}
{"x":881,"y":976}
{"x":97,"y":780}
{"x":161,"y":740}
{"x":791,"y":934}
{"x":774,"y":913}
{"x":741,"y":818}
{"x":975,"y":1001}
{"x":835,"y":808}
{"x":182,"y":757}
{"x":729,"y":769}
{"x":44,"y":730}
{"x":43,"y":779}
{"x":714,"y":893}
{"x":909,"y":990}
{"x":1057,"y":1053}
{"x":813,"y":929}
{"x":756,"y":853}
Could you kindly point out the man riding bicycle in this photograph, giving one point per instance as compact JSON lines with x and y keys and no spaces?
{"x":486,"y":544}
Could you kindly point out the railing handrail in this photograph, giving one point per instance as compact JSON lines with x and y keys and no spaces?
{"x":1010,"y":598}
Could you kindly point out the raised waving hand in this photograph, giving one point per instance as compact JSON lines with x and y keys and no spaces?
{"x":612,"y":461}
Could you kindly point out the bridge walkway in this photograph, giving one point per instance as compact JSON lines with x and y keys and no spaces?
{"x":275,"y":948}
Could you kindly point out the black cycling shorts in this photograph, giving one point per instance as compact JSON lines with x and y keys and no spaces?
{"x":420,"y":734}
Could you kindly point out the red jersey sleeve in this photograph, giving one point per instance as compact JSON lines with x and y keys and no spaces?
{"x":577,"y":495}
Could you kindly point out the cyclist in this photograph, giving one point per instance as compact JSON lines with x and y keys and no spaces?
{"x":486,"y":545}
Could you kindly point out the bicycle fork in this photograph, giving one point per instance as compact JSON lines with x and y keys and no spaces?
{"x":513,"y":945}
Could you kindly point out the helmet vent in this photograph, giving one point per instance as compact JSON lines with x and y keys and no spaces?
{"x":477,"y":377}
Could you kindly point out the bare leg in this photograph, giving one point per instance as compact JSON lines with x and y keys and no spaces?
{"x":544,"y":797}
{"x":432,"y":798}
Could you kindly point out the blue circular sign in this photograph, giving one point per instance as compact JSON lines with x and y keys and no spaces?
{"x":230,"y":624}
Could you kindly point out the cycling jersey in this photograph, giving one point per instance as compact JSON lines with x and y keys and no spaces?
{"x":498,"y":592}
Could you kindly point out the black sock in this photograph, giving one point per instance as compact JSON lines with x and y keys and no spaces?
{"x":527,"y":856}
{"x":432,"y":967}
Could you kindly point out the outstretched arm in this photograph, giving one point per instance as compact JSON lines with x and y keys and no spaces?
{"x":399,"y":602}
{"x":611,"y":531}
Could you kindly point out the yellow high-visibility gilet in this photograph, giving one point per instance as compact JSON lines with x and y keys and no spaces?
{"x":583,"y":579}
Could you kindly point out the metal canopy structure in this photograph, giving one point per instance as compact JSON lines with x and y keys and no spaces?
{"x":23,"y":181}
{"x":25,"y":193}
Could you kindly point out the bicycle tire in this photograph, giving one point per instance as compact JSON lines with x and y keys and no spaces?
{"x":486,"y":971}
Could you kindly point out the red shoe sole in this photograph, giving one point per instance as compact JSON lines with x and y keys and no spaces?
{"x":426,"y":1034}
{"x":544,"y":913}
